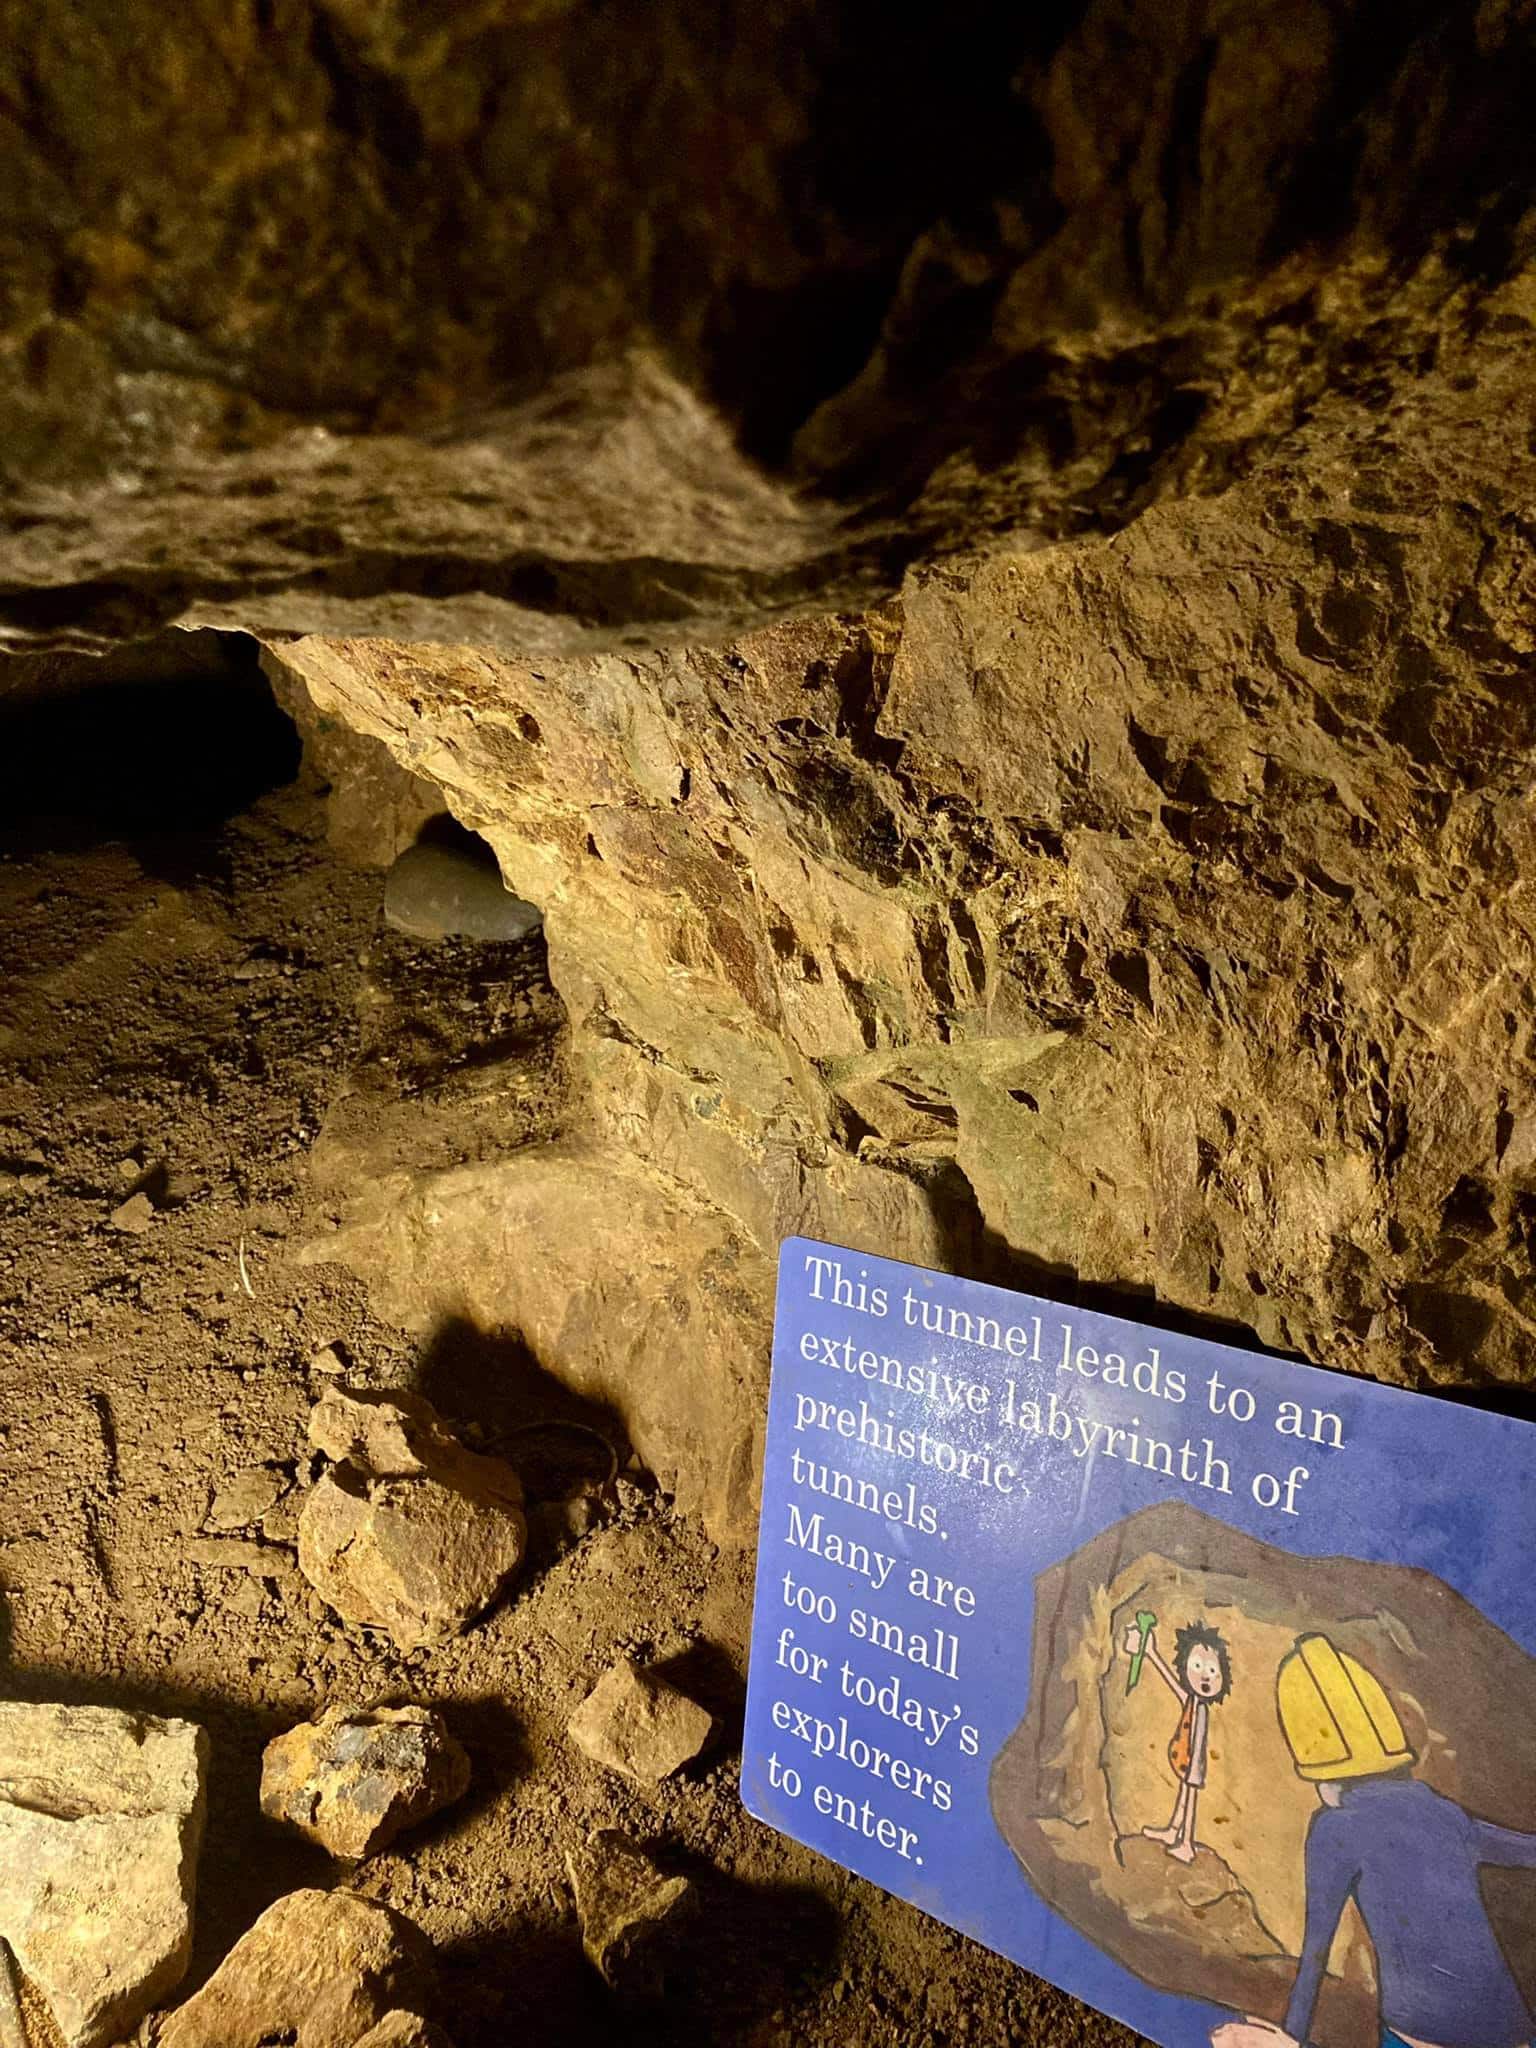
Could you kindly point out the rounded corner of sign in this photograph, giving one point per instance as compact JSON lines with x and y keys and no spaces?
{"x":756,"y":1807}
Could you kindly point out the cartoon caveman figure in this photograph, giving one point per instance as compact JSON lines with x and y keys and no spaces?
{"x":1409,"y":1858}
{"x":1200,"y":1678}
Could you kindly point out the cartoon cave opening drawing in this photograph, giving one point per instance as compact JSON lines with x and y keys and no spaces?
{"x":1199,"y":1678}
{"x":1368,"y":1820}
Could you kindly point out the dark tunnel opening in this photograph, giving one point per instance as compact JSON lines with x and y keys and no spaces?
{"x":164,"y":738}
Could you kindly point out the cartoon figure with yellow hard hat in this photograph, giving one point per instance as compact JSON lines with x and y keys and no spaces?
{"x":1409,"y":1858}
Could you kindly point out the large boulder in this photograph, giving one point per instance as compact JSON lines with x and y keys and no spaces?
{"x":407,"y":1531}
{"x":101,"y":1821}
{"x":1141,"y":915}
{"x":1086,"y":1770}
{"x":318,"y":1970}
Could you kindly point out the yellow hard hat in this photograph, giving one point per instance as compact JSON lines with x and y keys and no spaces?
{"x":1336,"y":1716}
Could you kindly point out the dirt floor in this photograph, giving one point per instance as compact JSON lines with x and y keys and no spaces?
{"x":181,"y":1015}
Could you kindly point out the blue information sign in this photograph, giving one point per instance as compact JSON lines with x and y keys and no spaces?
{"x":1199,"y":1682}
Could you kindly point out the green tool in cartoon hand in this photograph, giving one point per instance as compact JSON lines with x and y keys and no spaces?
{"x":1146,"y":1623}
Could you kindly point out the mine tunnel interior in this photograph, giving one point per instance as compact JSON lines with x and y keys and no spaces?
{"x":630,"y":635}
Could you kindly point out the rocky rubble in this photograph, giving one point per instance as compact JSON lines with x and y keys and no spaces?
{"x":637,"y":1724}
{"x":318,"y":1970}
{"x":101,"y":1822}
{"x":354,"y":1779}
{"x":628,"y":1908}
{"x":406,"y":1531}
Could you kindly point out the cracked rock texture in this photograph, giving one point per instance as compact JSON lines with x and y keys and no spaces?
{"x":1087,"y":1768}
{"x":358,"y":1777}
{"x":318,"y":1970}
{"x":549,"y":327}
{"x":101,"y":1822}
{"x":406,"y":1531}
{"x":1146,"y":915}
{"x":628,"y":1908}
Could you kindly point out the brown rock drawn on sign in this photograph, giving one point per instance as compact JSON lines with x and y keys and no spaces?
{"x":1088,"y":1769}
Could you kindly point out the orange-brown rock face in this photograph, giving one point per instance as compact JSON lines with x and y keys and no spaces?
{"x":558,"y":326}
{"x":1143,"y":914}
{"x":1123,"y":884}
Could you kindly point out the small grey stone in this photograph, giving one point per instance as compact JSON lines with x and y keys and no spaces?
{"x":443,"y":892}
{"x":354,"y":1779}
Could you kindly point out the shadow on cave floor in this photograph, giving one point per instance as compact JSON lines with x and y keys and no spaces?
{"x":156,"y":747}
{"x":492,"y":1382}
{"x":736,"y":1955}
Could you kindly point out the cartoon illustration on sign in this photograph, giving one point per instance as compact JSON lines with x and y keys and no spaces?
{"x":1200,"y":1678}
{"x":1231,"y":1730}
{"x":1371,"y":1768}
{"x":1410,"y":1859}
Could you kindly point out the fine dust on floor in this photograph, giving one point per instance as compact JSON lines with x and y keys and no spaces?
{"x":177,"y":1018}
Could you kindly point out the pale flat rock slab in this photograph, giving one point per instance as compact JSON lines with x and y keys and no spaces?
{"x":101,"y":1821}
{"x":443,"y":892}
{"x":408,"y":1532}
{"x":625,"y":1905}
{"x":318,"y":1970}
{"x":639,"y":1725}
{"x":245,"y":1497}
{"x":357,"y":1777}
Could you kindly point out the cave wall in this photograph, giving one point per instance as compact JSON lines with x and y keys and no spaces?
{"x":1147,"y":914}
{"x":563,"y":325}
{"x":977,"y":566}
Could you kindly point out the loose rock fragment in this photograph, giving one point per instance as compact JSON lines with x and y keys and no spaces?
{"x":625,"y":1904}
{"x":101,"y":1820}
{"x":638,"y":1724}
{"x":354,"y":1779}
{"x":455,"y":891}
{"x":248,"y":1599}
{"x":135,"y":1215}
{"x":404,"y":2030}
{"x":245,"y":1497}
{"x":408,"y":1532}
{"x":318,"y":1970}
